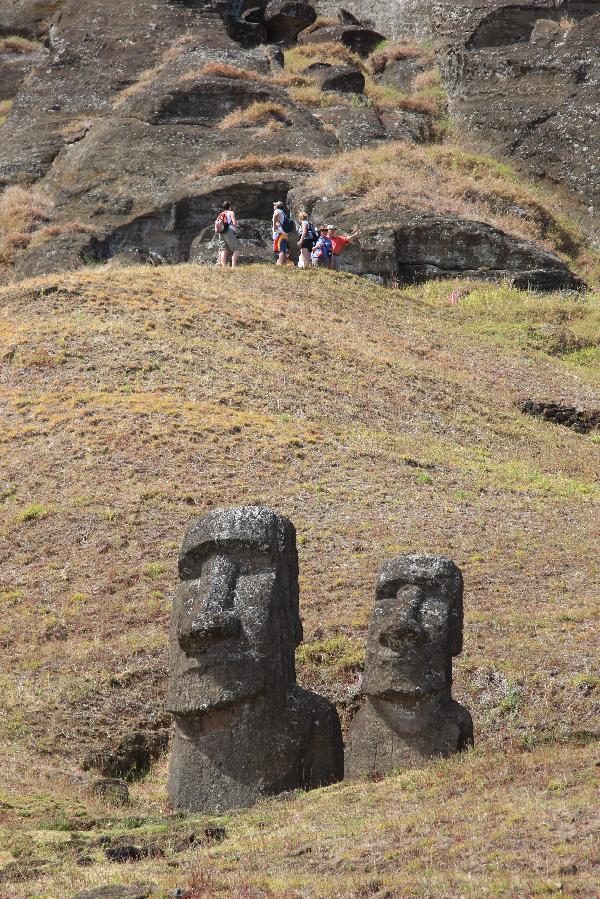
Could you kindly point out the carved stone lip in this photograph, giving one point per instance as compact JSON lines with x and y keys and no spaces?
{"x":414,"y":697}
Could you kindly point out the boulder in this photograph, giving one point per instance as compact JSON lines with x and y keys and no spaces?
{"x":401,"y":73}
{"x":545,"y":32}
{"x":112,"y":789}
{"x":408,"y":713}
{"x":360,"y":40}
{"x":344,"y":79}
{"x":416,"y":246}
{"x":244,"y":729}
{"x":345,"y":17}
{"x":285,"y":19}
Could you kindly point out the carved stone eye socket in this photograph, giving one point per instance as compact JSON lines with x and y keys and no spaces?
{"x":397,"y":638}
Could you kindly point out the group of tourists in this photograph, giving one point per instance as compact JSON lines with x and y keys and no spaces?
{"x":319,"y":247}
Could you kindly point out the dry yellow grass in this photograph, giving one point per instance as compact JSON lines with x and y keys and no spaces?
{"x":301,"y":56}
{"x":393,"y":51}
{"x":380,"y":421}
{"x":427,"y":97}
{"x":449,"y":180}
{"x":224,"y":70}
{"x":16,"y":44}
{"x":255,"y":163}
{"x":22,"y":212}
{"x":320,"y":22}
{"x":5,"y":108}
{"x":259,"y":113}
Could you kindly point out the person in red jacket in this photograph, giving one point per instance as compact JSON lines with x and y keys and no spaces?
{"x":339,"y":242}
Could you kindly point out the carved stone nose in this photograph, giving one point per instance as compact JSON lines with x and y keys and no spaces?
{"x":213,"y":618}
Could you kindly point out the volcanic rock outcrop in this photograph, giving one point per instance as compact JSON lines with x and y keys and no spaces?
{"x":415,"y":246}
{"x":244,"y":729}
{"x":136,"y":123}
{"x":408,"y":713}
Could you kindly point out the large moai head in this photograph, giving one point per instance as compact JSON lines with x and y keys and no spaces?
{"x":415,"y":629}
{"x":236,"y":620}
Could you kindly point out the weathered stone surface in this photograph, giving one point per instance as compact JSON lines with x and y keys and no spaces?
{"x":535,"y":101}
{"x":408,"y":713}
{"x":285,"y":19}
{"x":360,"y":40}
{"x":14,"y":68}
{"x":405,"y":125}
{"x":401,"y":73}
{"x":545,"y":32}
{"x":243,"y":727}
{"x":116,"y":891}
{"x":28,"y":18}
{"x":354,"y":127}
{"x":345,"y":79}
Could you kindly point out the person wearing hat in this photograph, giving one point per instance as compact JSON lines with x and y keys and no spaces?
{"x":280,"y":238}
{"x":322,"y":253}
{"x":338,"y":244}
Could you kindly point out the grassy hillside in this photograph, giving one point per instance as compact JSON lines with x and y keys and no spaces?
{"x":380,"y":421}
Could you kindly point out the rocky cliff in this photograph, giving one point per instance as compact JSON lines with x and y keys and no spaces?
{"x":126,"y":127}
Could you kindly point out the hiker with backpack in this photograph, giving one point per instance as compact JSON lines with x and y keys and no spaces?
{"x":282,"y":228}
{"x":226,"y":229}
{"x":322,"y":252}
{"x":307,"y":238}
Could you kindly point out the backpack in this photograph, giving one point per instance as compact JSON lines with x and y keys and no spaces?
{"x":288,"y":224}
{"x":221,"y":223}
{"x":311,"y":232}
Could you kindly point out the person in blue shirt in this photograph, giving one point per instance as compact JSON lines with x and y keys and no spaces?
{"x":322,"y":253}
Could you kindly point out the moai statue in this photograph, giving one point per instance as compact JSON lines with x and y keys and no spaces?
{"x":408,"y":713}
{"x":244,"y":728}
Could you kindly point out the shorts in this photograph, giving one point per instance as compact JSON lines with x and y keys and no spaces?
{"x":335,"y":262}
{"x":307,"y":243}
{"x":280,"y":244}
{"x":229,"y":240}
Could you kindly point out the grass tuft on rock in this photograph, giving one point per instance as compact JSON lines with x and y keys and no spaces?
{"x":255,"y":163}
{"x":260,"y":113}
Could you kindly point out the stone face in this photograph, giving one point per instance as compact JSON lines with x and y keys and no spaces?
{"x":243,"y":727}
{"x":408,"y":714}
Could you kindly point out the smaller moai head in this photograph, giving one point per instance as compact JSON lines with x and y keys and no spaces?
{"x":416,"y":627}
{"x":236,"y":620}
